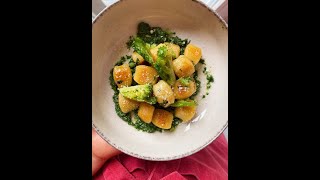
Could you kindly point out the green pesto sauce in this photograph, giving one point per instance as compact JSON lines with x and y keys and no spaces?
{"x":198,"y":84}
{"x":175,"y":123}
{"x":210,"y":80}
{"x":209,"y":77}
{"x":157,"y":35}
{"x":140,"y":125}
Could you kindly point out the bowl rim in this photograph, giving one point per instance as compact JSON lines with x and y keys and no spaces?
{"x":100,"y":133}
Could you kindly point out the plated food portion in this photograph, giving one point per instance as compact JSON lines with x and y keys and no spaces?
{"x":155,"y":87}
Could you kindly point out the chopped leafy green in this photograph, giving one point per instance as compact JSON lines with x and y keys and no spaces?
{"x":141,"y":93}
{"x":182,"y":103}
{"x":164,"y":67}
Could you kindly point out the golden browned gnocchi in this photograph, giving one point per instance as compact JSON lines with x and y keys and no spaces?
{"x":182,"y":91}
{"x":183,"y":66}
{"x":162,"y":118}
{"x":127,"y":105}
{"x":155,"y":88}
{"x":174,"y":48}
{"x":164,"y":94}
{"x":145,"y":112}
{"x":193,"y":52}
{"x":154,"y":51}
{"x":122,"y":75}
{"x":137,"y":58}
{"x":185,"y":113}
{"x":145,"y":75}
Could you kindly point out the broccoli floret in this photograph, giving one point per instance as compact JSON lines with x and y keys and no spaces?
{"x":182,"y":103}
{"x":141,"y":93}
{"x":140,"y":47}
{"x":164,"y":66}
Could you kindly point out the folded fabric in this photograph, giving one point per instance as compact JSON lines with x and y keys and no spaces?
{"x":209,"y":163}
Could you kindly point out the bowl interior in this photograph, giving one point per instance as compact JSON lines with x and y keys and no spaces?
{"x":189,"y":19}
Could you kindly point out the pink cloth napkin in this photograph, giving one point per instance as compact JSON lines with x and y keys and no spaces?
{"x":209,"y":163}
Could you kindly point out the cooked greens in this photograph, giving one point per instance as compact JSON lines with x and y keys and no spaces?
{"x":140,"y":47}
{"x":182,"y":103}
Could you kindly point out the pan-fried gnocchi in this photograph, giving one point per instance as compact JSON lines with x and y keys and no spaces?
{"x":155,"y":87}
{"x":183,"y":66}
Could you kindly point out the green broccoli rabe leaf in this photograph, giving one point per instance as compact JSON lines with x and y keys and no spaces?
{"x":141,"y":93}
{"x":182,"y":103}
{"x":164,"y":67}
{"x":140,"y":47}
{"x":185,"y":81}
{"x":163,"y":64}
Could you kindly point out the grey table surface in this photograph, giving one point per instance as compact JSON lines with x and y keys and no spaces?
{"x":99,"y":5}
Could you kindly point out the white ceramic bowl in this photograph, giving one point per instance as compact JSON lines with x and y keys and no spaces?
{"x":189,"y":19}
